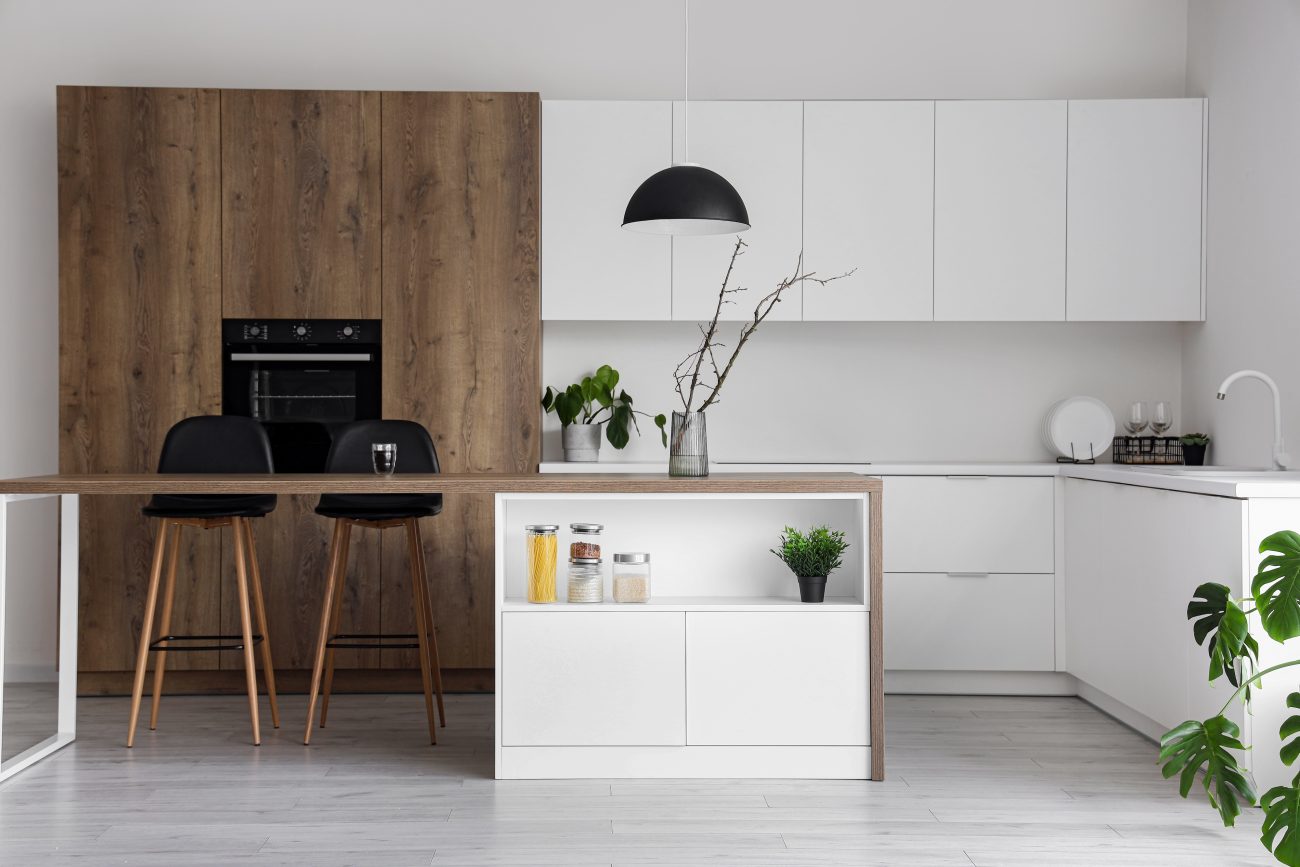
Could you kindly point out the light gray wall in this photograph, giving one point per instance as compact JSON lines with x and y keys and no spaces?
{"x":1246,"y":58}
{"x":566,"y":49}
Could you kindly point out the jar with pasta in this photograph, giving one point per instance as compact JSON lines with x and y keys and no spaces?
{"x":540,"y":558}
{"x":586,"y":541}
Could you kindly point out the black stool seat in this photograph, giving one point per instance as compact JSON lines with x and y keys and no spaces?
{"x":214,"y":444}
{"x":350,"y":453}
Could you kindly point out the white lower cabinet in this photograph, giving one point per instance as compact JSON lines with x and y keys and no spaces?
{"x":969,"y":622}
{"x":593,"y":678}
{"x":796,"y":678}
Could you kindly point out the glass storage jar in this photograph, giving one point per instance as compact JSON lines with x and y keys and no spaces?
{"x":586,"y":541}
{"x":541,"y":545}
{"x":586,"y":580}
{"x":632,"y":577}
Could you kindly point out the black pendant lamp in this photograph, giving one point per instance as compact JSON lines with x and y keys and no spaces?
{"x":685,"y":198}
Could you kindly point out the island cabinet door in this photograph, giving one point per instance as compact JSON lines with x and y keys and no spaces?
{"x":593,"y":678}
{"x":777,"y":678}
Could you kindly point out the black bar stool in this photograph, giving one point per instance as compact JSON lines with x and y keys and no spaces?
{"x":208,"y":444}
{"x":351,"y":453}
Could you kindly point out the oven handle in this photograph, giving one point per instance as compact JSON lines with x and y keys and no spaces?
{"x":300,"y":356}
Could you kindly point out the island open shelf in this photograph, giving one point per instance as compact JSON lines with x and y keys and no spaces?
{"x":723,"y":672}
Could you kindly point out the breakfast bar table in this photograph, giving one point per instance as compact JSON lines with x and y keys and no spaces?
{"x":721,"y":672}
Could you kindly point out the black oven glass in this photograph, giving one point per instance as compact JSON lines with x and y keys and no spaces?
{"x":301,"y":379}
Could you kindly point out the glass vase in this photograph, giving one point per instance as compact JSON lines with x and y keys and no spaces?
{"x":688,"y":445}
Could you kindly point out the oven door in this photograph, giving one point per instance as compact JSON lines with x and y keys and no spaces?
{"x":291,"y":387}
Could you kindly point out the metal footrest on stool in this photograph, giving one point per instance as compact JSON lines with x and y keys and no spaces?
{"x":162,"y":643}
{"x":373,"y":642}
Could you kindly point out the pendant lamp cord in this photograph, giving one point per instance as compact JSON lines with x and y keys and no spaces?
{"x":686,"y":105}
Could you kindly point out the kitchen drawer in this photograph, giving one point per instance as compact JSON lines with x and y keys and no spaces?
{"x":593,"y":678}
{"x":969,"y":524}
{"x":971,"y":622}
{"x":777,"y":678}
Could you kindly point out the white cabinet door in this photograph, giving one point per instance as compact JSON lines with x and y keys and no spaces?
{"x":758,"y":147}
{"x":869,"y":204}
{"x":593,"y":678}
{"x":999,"y":210}
{"x":594,"y":156}
{"x":1134,"y":557}
{"x":969,"y":524}
{"x":969,"y":622}
{"x":777,"y":678}
{"x":1135,"y":179}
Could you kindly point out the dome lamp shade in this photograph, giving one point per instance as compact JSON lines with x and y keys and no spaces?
{"x":686,"y":199}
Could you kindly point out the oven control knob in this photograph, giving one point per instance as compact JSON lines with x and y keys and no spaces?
{"x":301,"y":330}
{"x":254,"y":331}
{"x":348,"y":331}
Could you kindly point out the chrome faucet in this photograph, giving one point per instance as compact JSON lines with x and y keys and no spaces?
{"x":1280,"y":458}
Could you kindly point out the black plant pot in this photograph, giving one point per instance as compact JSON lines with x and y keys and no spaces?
{"x":1194,"y":456}
{"x":812,"y":589}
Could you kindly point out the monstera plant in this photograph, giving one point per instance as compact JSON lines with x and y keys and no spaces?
{"x":1211,"y":747}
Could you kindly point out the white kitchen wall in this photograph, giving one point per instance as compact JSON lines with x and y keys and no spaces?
{"x":571,"y":49}
{"x":1246,"y":58}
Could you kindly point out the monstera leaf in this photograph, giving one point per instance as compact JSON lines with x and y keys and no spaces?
{"x":1281,"y":827}
{"x":1289,"y":729}
{"x":1217,"y":618}
{"x":1195,"y":746}
{"x":1276,"y":587}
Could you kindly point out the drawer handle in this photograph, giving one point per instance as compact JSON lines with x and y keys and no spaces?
{"x":969,"y":478}
{"x":968,"y":574}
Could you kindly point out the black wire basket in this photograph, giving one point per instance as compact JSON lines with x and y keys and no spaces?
{"x":1147,"y":450}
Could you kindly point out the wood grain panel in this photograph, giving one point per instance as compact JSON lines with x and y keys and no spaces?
{"x":140,"y":307}
{"x":293,"y":550}
{"x":300,"y":191}
{"x":461,"y":331}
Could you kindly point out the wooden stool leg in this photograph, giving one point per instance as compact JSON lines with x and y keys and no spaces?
{"x":417,"y":606}
{"x":146,"y":628}
{"x":165,"y":624}
{"x":430,"y":627}
{"x":259,"y":609}
{"x":246,"y":622}
{"x":336,"y":612}
{"x":331,"y":583}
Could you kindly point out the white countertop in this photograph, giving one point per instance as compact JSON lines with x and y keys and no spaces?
{"x":1243,"y":483}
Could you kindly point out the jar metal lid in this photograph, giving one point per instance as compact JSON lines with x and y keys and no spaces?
{"x":631,"y":558}
{"x":584,"y":561}
{"x":542,"y":528}
{"x":586,"y":528}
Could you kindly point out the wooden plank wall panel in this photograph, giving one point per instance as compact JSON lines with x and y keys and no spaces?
{"x":300,"y":188}
{"x":461,"y":331}
{"x":140,"y":299}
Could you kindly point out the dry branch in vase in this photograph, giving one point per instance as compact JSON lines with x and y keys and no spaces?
{"x":690,"y":374}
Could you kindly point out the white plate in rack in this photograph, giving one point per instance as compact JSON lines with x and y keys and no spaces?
{"x":1079,"y":427}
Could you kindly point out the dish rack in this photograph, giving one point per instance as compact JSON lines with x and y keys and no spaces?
{"x":1147,"y":450}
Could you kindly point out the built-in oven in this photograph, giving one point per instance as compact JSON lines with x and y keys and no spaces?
{"x":301,"y":378}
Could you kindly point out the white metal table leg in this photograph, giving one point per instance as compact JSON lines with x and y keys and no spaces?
{"x":69,"y":552}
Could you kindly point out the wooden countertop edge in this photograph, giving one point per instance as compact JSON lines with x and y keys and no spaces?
{"x":446,"y":483}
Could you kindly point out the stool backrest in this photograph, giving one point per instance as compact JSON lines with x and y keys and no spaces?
{"x":350,"y":452}
{"x":216,"y":444}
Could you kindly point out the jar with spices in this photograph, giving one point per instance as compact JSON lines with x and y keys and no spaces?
{"x":586,"y":580}
{"x":586,"y":541}
{"x":540,"y":556}
{"x":631,"y":577}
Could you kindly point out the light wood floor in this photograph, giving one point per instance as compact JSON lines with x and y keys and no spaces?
{"x":971,"y":781}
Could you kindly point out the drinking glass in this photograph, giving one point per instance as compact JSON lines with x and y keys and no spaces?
{"x":1162,"y":418}
{"x":1137,"y":418}
{"x":383,"y":456}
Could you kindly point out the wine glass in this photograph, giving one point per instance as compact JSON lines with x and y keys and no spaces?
{"x":1162,"y":418}
{"x":1137,"y":418}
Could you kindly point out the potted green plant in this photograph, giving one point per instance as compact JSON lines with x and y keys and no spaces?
{"x":584,"y":406}
{"x":812,"y":557}
{"x":1194,"y":446}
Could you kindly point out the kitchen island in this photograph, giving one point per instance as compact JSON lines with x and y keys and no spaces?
{"x":722,"y":673}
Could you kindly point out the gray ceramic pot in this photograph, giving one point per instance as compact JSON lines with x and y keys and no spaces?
{"x":581,"y":442}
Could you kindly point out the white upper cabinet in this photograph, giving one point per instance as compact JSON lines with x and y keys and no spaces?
{"x":1135,"y":195}
{"x":758,"y":147}
{"x":999,"y":210}
{"x":594,"y":156}
{"x":869,"y":204}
